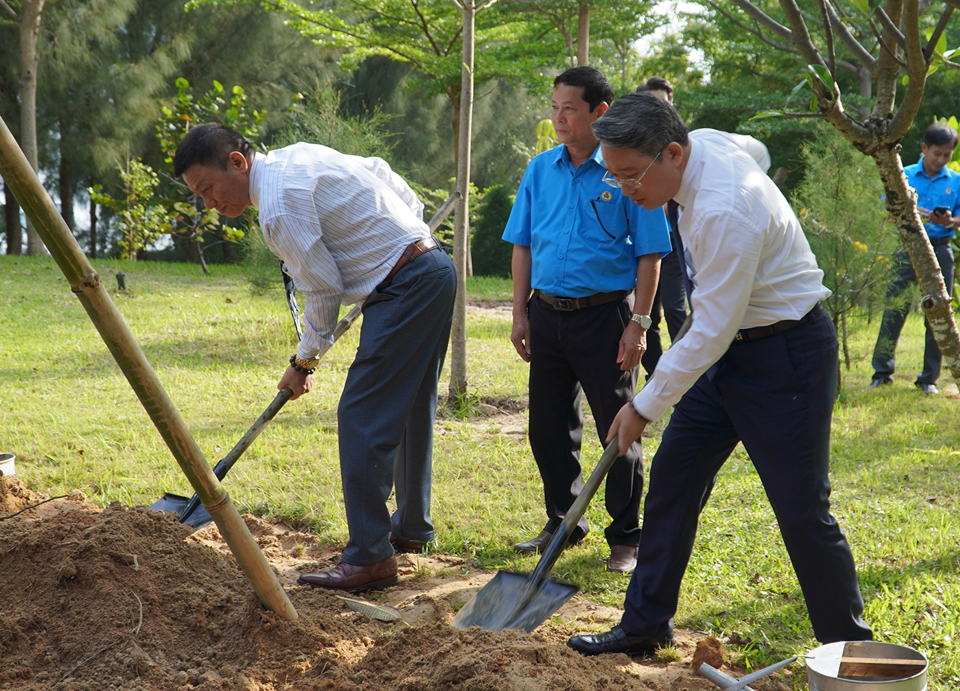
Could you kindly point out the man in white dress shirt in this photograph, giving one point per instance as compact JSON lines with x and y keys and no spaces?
{"x":349,"y":230}
{"x":758,"y":366}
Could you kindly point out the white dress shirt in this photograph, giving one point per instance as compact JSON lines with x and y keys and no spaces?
{"x":746,"y":255}
{"x":338,"y":222}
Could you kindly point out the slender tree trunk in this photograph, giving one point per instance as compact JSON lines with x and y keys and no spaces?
{"x":11,"y":217}
{"x":935,"y":298}
{"x":30,"y":15}
{"x":583,"y":35}
{"x":93,"y":229}
{"x":66,"y":192}
{"x":866,"y":86}
{"x":461,"y":239}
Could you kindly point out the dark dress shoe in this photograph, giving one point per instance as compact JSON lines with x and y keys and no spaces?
{"x":406,"y":546}
{"x":877,"y":382}
{"x":354,"y":578}
{"x":540,"y":542}
{"x":617,"y":641}
{"x":623,"y":558}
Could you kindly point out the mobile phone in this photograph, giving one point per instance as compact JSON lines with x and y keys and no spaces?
{"x":940,"y":210}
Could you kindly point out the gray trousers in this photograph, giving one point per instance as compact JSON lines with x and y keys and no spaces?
{"x":895,"y":314}
{"x":388,"y":406}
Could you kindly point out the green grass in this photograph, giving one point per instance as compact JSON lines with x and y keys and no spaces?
{"x":74,"y":423}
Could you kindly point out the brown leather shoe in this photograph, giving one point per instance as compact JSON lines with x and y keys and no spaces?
{"x":406,"y":546}
{"x":540,"y":542}
{"x":623,"y":558}
{"x":354,"y":578}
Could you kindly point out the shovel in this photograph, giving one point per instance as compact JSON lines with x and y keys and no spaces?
{"x":515,"y":601}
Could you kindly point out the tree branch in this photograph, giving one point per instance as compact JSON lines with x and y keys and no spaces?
{"x":800,"y":36}
{"x":890,"y":27}
{"x":828,"y":31}
{"x":759,"y":15}
{"x":756,"y":32}
{"x":937,"y":33}
{"x":9,"y":10}
{"x":917,"y":66}
{"x":424,"y":26}
{"x":862,"y":55}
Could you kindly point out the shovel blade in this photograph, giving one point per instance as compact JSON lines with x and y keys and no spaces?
{"x":174,"y":503}
{"x":512,"y":601}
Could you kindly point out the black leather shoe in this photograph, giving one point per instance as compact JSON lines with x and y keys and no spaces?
{"x":878,"y":382}
{"x":929,"y":389}
{"x":623,"y":558}
{"x":540,"y":542}
{"x":616,"y":641}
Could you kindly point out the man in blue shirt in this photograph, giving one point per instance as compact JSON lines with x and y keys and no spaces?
{"x":938,"y":200}
{"x":580,"y":250}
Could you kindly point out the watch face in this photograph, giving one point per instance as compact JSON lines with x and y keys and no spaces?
{"x":645,"y":321}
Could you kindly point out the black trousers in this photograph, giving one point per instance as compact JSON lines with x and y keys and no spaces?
{"x":572,"y":353}
{"x":895,"y":314}
{"x":776,"y":395}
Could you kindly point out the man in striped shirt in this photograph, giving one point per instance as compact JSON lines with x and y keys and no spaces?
{"x":350,"y":230}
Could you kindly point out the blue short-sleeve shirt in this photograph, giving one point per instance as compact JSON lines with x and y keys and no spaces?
{"x":584,"y":236}
{"x":941,"y":190}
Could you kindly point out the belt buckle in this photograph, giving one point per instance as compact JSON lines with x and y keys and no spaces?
{"x":564,"y":304}
{"x":739,"y":336}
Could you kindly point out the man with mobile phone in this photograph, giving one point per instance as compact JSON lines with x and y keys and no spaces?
{"x":938,"y":201}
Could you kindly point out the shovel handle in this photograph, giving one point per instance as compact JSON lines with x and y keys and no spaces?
{"x":573,"y":515}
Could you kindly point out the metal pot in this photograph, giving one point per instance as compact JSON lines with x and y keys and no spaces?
{"x":866,"y":666}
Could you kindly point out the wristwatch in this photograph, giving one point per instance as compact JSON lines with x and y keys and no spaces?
{"x":307,"y":364}
{"x":643,"y":320}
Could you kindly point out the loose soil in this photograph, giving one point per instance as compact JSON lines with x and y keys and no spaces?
{"x":127,"y":598}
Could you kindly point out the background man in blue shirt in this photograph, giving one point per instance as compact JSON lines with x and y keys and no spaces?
{"x":580,"y":249}
{"x":938,"y":200}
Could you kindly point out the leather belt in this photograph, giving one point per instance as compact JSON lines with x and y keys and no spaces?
{"x":744,"y":335}
{"x":411,"y":252}
{"x":940,"y":241}
{"x":571,"y":304}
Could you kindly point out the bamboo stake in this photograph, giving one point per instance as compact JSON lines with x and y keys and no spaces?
{"x":87,"y":286}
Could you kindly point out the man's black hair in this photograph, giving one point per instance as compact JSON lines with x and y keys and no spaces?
{"x":209,"y":145}
{"x":596,"y":88}
{"x":656,"y":84}
{"x":938,"y":135}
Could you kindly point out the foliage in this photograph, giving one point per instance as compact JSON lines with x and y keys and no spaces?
{"x":141,"y":222}
{"x":839,"y":204}
{"x":491,"y":255}
{"x":954,"y":163}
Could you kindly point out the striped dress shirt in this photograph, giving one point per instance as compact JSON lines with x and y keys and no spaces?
{"x":338,"y":222}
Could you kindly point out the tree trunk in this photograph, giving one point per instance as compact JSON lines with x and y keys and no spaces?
{"x":93,"y":229}
{"x":11,"y":217}
{"x":583,"y":35}
{"x":31,"y":13}
{"x":66,"y":192}
{"x":935,"y":300}
{"x":461,"y":238}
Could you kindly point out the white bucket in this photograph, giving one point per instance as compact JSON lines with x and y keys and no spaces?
{"x":880,"y":667}
{"x":7,"y":465}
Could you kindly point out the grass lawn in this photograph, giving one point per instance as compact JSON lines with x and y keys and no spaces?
{"x":74,"y":423}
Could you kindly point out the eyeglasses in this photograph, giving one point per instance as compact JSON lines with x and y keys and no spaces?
{"x":613,"y":181}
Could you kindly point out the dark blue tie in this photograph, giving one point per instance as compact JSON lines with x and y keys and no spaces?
{"x":673,"y":215}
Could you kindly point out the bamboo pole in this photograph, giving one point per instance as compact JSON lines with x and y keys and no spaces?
{"x":87,"y":286}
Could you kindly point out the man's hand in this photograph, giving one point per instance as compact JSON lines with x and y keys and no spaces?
{"x":298,"y":382}
{"x":520,"y":336}
{"x":944,"y":219}
{"x":633,"y":344}
{"x":627,"y":427}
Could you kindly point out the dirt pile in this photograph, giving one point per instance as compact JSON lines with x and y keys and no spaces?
{"x":127,"y":598}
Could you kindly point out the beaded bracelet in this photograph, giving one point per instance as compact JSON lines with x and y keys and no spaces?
{"x":299,"y":368}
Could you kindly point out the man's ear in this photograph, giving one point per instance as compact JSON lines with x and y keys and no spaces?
{"x":237,"y":160}
{"x":602,"y":108}
{"x":673,"y":153}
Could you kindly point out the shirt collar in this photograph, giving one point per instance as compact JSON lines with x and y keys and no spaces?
{"x":561,"y":154}
{"x":694,"y":158}
{"x":256,"y":167}
{"x":942,"y":173}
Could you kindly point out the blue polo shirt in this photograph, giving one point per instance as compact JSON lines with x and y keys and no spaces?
{"x":584,"y":235}
{"x":941,"y":190}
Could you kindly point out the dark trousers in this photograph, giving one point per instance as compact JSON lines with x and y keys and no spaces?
{"x":388,"y":406}
{"x":670,"y":305}
{"x":895,"y":314}
{"x":572,"y":353}
{"x":776,"y":395}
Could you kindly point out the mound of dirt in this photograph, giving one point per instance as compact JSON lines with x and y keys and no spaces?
{"x":127,"y":598}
